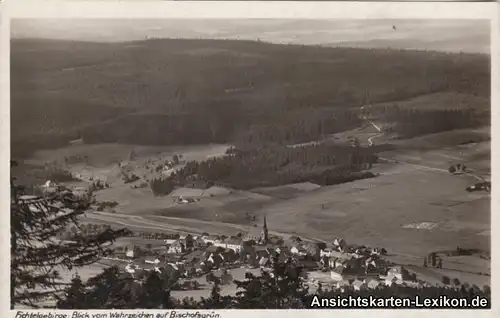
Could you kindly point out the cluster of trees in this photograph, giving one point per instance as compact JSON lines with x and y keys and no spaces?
{"x":410,"y":122}
{"x":162,"y":186}
{"x":37,"y":256}
{"x":298,"y":126}
{"x":325,"y":164}
{"x":57,"y":174}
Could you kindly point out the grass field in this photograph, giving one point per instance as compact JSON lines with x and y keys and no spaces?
{"x":109,"y":154}
{"x":374,"y":212}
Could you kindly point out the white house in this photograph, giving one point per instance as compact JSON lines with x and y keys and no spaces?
{"x":358,"y":285}
{"x":328,"y":252}
{"x":209,"y":239}
{"x":234,"y":244}
{"x":298,"y":250}
{"x":170,"y":241}
{"x":155,"y":261}
{"x":335,"y":254}
{"x":175,"y":248}
{"x":339,"y":243}
{"x":391,"y":279}
{"x":337,"y":273}
{"x":396,"y":272}
{"x":130,"y":268}
{"x":130,"y":253}
{"x":372,"y":283}
{"x":219,"y":244}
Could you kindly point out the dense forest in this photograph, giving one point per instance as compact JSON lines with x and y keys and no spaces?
{"x":197,"y":91}
{"x":324,"y":164}
{"x":411,"y":122}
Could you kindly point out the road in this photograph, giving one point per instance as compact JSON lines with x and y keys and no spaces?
{"x":381,"y":133}
{"x":179,"y":225}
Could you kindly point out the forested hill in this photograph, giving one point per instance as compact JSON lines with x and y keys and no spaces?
{"x":62,"y":90}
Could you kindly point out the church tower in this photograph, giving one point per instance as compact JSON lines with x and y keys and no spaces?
{"x":265,"y":237}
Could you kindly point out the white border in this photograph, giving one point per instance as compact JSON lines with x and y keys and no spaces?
{"x":4,"y":155}
{"x":283,"y":10}
{"x":242,"y":9}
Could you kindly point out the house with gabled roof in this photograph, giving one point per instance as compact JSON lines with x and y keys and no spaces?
{"x":298,"y":249}
{"x":372,"y":283}
{"x":390,"y":280}
{"x":170,"y":241}
{"x":338,"y":273}
{"x":234,"y":243}
{"x":340,"y":244}
{"x":265,"y":262}
{"x":176,"y":248}
{"x":253,"y":235}
{"x":343,"y":285}
{"x":312,"y":250}
{"x":327,"y":252}
{"x":399,"y":272}
{"x":262,"y":251}
{"x":152,"y":260}
{"x":210,"y":239}
{"x":358,"y":285}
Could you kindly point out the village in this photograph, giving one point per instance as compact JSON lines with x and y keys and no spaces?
{"x":193,"y":257}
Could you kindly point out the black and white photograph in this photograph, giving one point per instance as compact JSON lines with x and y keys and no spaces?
{"x":249,"y":163}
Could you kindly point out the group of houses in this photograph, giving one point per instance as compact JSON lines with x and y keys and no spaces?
{"x":396,"y":275}
{"x":191,"y":255}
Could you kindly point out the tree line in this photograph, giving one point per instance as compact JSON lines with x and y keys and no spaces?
{"x":411,"y":122}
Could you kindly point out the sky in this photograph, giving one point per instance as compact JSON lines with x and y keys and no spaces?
{"x":440,"y":35}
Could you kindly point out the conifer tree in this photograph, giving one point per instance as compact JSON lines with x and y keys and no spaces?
{"x":38,"y":253}
{"x":75,"y":296}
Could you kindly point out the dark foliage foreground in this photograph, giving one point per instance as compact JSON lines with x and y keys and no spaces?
{"x":280,"y":288}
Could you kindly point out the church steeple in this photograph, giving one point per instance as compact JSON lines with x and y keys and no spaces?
{"x":265,"y":236}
